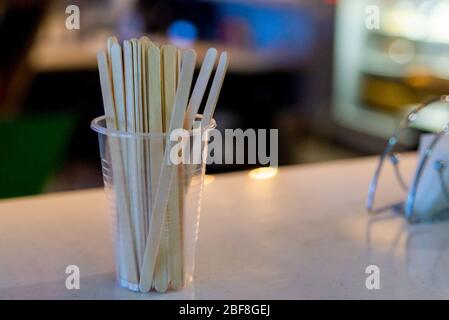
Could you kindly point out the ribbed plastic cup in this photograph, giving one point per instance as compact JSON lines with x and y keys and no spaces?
{"x":131,"y":165}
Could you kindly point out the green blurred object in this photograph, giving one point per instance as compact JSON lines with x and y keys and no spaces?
{"x":32,"y":148}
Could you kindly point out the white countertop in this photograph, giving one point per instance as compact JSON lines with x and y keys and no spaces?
{"x":302,"y":234}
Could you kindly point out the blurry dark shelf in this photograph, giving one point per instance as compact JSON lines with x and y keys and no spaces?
{"x":425,"y":42}
{"x":81,"y":55}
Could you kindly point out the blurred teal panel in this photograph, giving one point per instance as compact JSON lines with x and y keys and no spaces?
{"x":32,"y":148}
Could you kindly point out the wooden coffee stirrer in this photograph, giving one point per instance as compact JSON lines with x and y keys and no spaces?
{"x":163,"y":190}
{"x":119,"y":94}
{"x":156,"y":144}
{"x":174,"y":208}
{"x":133,"y":172}
{"x":200,"y":87}
{"x":126,"y":252}
{"x":118,"y":78}
{"x":141,"y":142}
{"x":133,"y":179}
{"x":215,"y":89}
{"x":154,"y":90}
{"x":193,"y":107}
{"x":110,"y":42}
{"x":135,"y":162}
{"x":169,"y":70}
{"x":129,"y":86}
{"x":118,"y":81}
{"x":144,"y":43}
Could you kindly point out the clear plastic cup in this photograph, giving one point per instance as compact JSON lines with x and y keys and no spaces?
{"x":132,"y":164}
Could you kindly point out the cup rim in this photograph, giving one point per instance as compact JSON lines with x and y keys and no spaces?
{"x":97,"y":127}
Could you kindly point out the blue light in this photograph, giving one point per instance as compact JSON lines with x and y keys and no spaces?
{"x":182,"y":33}
{"x":275,"y":27}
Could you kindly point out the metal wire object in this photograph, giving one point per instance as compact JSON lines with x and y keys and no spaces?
{"x":407,"y":207}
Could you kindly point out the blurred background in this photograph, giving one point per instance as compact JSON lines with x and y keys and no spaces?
{"x":334,"y":81}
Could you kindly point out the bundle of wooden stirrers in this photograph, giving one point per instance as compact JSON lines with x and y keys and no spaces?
{"x":146,"y":89}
